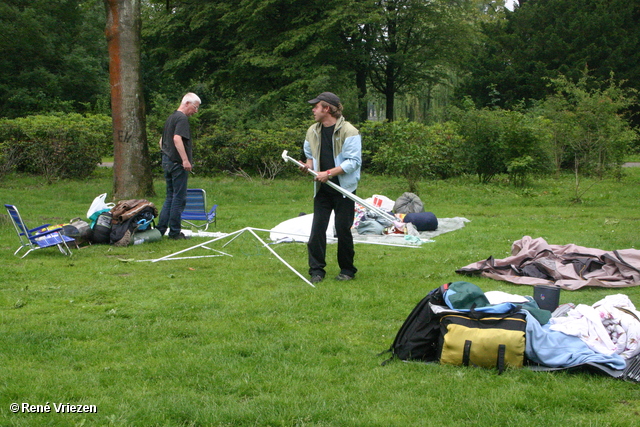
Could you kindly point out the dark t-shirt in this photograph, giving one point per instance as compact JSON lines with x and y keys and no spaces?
{"x":327,"y":159}
{"x":176,"y":124}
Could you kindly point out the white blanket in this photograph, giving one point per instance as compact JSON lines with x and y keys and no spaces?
{"x":610,"y":326}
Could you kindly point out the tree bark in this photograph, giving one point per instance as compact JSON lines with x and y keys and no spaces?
{"x":131,"y":166}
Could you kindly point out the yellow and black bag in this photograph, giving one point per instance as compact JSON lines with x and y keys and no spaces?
{"x":483,"y":339}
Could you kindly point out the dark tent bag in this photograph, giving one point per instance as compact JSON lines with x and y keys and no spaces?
{"x":102,"y":228}
{"x":418,"y":337}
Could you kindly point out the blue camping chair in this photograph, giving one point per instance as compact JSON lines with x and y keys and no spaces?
{"x":37,"y":238}
{"x":196,"y":209}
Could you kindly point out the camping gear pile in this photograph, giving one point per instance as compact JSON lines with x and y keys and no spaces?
{"x":458,"y":324}
{"x":407,"y":211}
{"x":124,"y":223}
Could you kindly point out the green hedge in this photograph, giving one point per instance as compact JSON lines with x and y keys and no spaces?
{"x":413,"y":150}
{"x":55,"y":146}
{"x":505,"y":142}
{"x":253,"y":151}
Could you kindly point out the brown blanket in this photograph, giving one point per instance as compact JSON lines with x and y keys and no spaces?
{"x":535,"y":262}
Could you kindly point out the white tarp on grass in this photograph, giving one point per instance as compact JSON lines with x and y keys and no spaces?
{"x":298,"y":229}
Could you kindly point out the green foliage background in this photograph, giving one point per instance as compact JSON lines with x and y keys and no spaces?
{"x":55,"y":146}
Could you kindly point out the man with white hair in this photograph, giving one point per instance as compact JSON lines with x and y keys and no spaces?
{"x":176,"y":146}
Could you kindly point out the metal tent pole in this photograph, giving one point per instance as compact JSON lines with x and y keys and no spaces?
{"x":197,"y":246}
{"x":346,"y":193}
{"x":280,"y":258}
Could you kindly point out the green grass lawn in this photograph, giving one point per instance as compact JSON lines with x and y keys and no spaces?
{"x":243,"y":341}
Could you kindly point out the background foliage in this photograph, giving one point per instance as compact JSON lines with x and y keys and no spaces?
{"x":55,"y":146}
{"x":488,"y":91}
{"x":240,"y":340}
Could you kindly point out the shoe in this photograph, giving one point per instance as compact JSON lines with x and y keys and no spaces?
{"x":344,"y":277}
{"x":180,"y":236}
{"x":316,"y":279}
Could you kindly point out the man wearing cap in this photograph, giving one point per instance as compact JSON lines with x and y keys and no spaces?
{"x":333,"y":149}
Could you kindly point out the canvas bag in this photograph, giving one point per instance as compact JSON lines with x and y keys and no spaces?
{"x":78,"y":230}
{"x":489,"y":340}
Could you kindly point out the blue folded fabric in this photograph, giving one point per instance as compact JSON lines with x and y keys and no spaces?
{"x":555,"y":349}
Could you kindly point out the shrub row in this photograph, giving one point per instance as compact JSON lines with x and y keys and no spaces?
{"x":55,"y":146}
{"x":248,"y":152}
{"x":486,"y":142}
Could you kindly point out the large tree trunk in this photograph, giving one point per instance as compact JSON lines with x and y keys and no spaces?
{"x":132,"y":170}
{"x":390,"y":91}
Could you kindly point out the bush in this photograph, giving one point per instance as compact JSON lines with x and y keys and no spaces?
{"x":527,"y":141}
{"x":56,"y":146}
{"x":445,"y":151}
{"x":253,"y":151}
{"x":595,"y":137}
{"x":263,"y":149}
{"x":484,"y":150}
{"x":374,"y":135}
{"x":501,"y":141}
{"x":216,"y":151}
{"x":414,"y":150}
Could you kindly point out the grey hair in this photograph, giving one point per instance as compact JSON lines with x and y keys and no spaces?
{"x":191,"y":98}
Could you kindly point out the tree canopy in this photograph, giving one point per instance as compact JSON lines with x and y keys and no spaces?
{"x":261,"y":57}
{"x":52,"y":55}
{"x":543,"y":39}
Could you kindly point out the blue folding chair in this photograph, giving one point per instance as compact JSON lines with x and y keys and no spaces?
{"x":196,"y":209}
{"x":39,"y":237}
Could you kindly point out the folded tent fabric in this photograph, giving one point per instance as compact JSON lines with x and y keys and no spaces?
{"x":535,"y":262}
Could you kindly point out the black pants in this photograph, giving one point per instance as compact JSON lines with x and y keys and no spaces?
{"x":327,"y":200}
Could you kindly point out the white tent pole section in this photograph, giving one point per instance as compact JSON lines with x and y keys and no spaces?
{"x":280,"y":258}
{"x":198,"y":246}
{"x":372,"y":208}
{"x":184,"y":257}
{"x":235,"y":234}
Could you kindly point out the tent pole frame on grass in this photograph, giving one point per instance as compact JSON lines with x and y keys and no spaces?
{"x":252,"y":231}
{"x":235,"y":235}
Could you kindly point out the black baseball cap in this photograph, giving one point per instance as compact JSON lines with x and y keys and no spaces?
{"x":328,"y":97}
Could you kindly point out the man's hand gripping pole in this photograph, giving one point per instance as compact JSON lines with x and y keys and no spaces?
{"x":344,"y":192}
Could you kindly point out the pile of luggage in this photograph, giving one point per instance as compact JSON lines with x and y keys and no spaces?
{"x":120,"y":224}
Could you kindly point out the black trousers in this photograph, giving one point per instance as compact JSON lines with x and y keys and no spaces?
{"x":327,"y":200}
{"x":171,"y":214}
